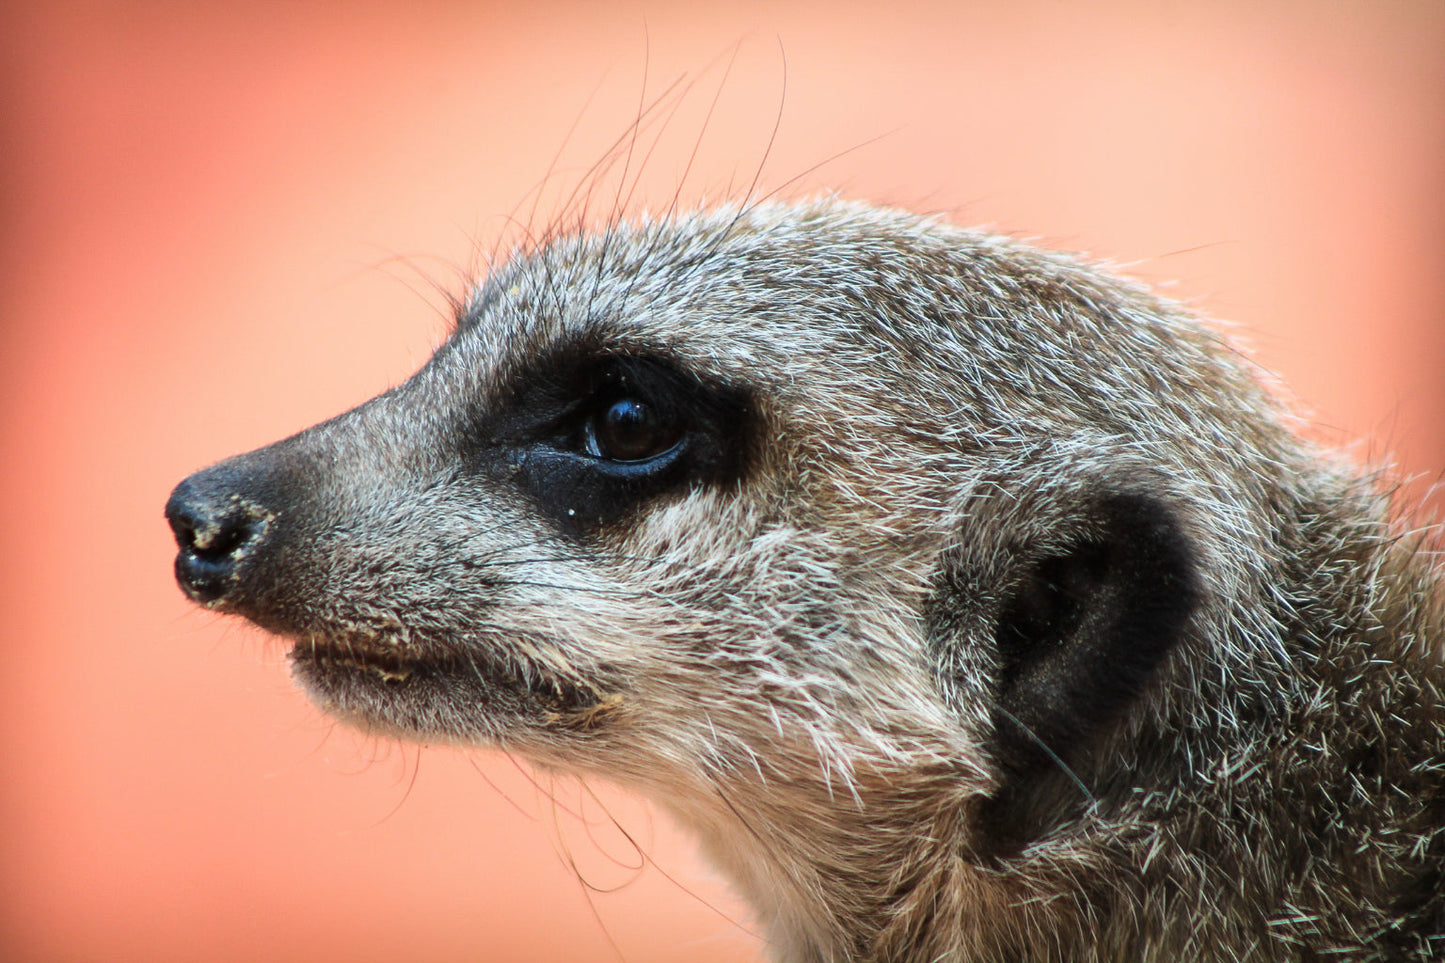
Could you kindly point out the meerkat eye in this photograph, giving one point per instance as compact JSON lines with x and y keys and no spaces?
{"x":592,"y":440}
{"x":630,"y":429}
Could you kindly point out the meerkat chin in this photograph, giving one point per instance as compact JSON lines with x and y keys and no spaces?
{"x":968,"y":603}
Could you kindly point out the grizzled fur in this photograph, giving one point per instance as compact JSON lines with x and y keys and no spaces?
{"x":968,"y":603}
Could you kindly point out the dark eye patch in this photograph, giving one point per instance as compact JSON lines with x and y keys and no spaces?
{"x":589,"y":440}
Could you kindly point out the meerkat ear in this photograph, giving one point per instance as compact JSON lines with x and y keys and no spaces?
{"x":1077,"y":638}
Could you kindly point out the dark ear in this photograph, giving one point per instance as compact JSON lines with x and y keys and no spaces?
{"x":1080,"y":632}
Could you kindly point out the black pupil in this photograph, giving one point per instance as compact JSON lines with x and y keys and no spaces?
{"x":631,"y":430}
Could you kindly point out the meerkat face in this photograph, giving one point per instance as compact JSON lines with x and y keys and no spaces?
{"x":599,"y":526}
{"x":752,"y":494}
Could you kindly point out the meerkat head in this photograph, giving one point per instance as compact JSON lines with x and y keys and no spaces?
{"x":818,"y":520}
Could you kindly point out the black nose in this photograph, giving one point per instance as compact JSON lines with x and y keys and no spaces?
{"x":215,"y":528}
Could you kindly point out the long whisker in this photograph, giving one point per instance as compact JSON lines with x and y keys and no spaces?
{"x":1073,"y":776}
{"x":648,"y":860}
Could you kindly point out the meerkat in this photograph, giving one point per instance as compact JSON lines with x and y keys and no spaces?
{"x":968,"y":603}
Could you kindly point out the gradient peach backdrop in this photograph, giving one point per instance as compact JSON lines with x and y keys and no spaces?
{"x":220,"y":224}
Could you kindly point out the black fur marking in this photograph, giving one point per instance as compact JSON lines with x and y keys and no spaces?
{"x":544,"y":442}
{"x":1078,"y":640}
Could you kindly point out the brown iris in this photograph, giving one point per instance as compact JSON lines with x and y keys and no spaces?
{"x":630,"y":429}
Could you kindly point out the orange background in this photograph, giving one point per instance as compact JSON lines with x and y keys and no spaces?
{"x":221,"y":222}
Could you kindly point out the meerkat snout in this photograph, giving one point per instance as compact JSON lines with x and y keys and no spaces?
{"x":215,"y":527}
{"x":968,"y":603}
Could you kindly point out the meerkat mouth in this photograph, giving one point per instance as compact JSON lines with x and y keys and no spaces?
{"x":399,"y":685}
{"x":393,"y":664}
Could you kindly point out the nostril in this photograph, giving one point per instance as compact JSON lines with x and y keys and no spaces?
{"x":225,"y":539}
{"x":212,"y":536}
{"x":213,"y":531}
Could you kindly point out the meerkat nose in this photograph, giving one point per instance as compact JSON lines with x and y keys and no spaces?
{"x":214,"y":528}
